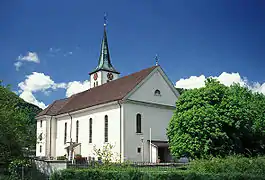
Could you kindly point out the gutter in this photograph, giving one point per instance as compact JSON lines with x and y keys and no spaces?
{"x":120,"y":130}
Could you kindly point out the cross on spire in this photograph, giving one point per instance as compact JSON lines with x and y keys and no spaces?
{"x":156,"y":59}
{"x":105,"y":19}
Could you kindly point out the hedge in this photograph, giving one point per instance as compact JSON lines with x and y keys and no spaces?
{"x":93,"y":174}
{"x":235,"y":164}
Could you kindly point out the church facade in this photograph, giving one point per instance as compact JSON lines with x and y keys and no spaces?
{"x":131,"y":113}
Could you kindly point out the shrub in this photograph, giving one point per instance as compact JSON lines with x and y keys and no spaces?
{"x":235,"y":164}
{"x":100,"y":174}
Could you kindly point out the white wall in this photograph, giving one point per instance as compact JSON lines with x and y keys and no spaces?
{"x":92,"y":79}
{"x":43,"y":142}
{"x":156,"y":118}
{"x":146,"y":91}
{"x":97,"y":115}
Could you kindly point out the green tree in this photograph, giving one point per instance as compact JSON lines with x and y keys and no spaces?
{"x":218,"y":120}
{"x":17,"y":125}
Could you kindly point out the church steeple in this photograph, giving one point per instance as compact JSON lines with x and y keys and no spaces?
{"x":104,"y":72}
{"x":104,"y":62}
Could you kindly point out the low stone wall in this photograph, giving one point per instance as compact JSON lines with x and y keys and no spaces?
{"x":47,"y":167}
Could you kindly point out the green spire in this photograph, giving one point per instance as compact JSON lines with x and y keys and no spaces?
{"x":104,"y":62}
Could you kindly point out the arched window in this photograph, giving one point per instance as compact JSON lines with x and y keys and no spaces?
{"x":40,"y":148}
{"x":90,"y":130}
{"x":106,"y":129}
{"x":138,"y":123}
{"x":77,"y":131}
{"x":65,"y":132}
{"x":157,"y":93}
{"x":94,"y":84}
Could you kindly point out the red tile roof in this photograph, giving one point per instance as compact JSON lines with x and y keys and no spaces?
{"x":108,"y":92}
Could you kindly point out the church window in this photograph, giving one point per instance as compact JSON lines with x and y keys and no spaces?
{"x":94,"y":84}
{"x":65,"y":132}
{"x":106,"y":129}
{"x":138,"y":123}
{"x":40,"y":148}
{"x":90,"y":130}
{"x":77,"y":131}
{"x":157,"y":93}
{"x":138,"y":150}
{"x":40,"y":123}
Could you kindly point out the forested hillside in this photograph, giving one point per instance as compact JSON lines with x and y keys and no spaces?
{"x":17,"y":125}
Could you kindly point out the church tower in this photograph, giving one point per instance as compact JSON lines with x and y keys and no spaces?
{"x":104,"y":72}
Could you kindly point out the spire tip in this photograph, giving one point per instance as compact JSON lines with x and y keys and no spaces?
{"x":156,"y":59}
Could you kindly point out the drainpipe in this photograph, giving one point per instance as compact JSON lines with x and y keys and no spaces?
{"x":120,"y":129}
{"x":71,"y":153}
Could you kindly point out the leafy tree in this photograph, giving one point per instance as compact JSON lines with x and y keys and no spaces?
{"x":17,"y":125}
{"x":181,"y":90}
{"x":218,"y":120}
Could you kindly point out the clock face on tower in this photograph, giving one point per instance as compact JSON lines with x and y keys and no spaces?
{"x":110,"y":76}
{"x":95,"y":76}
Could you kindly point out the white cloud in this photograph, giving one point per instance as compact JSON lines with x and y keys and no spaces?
{"x":30,"y":56}
{"x":224,"y":78}
{"x":191,"y":82}
{"x":17,"y":65}
{"x":29,"y":97}
{"x":39,"y":82}
{"x":36,"y":82}
{"x":257,"y":87}
{"x":76,"y":87}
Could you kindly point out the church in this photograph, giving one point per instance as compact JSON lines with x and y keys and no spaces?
{"x":131,"y":113}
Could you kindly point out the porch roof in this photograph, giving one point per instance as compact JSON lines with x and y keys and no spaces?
{"x":159,"y":143}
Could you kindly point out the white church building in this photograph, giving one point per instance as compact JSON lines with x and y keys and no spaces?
{"x":130,"y":112}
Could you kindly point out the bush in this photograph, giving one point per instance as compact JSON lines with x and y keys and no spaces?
{"x":235,"y":164}
{"x":99,"y":174}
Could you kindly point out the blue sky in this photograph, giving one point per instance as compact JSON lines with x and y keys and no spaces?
{"x":192,"y":38}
